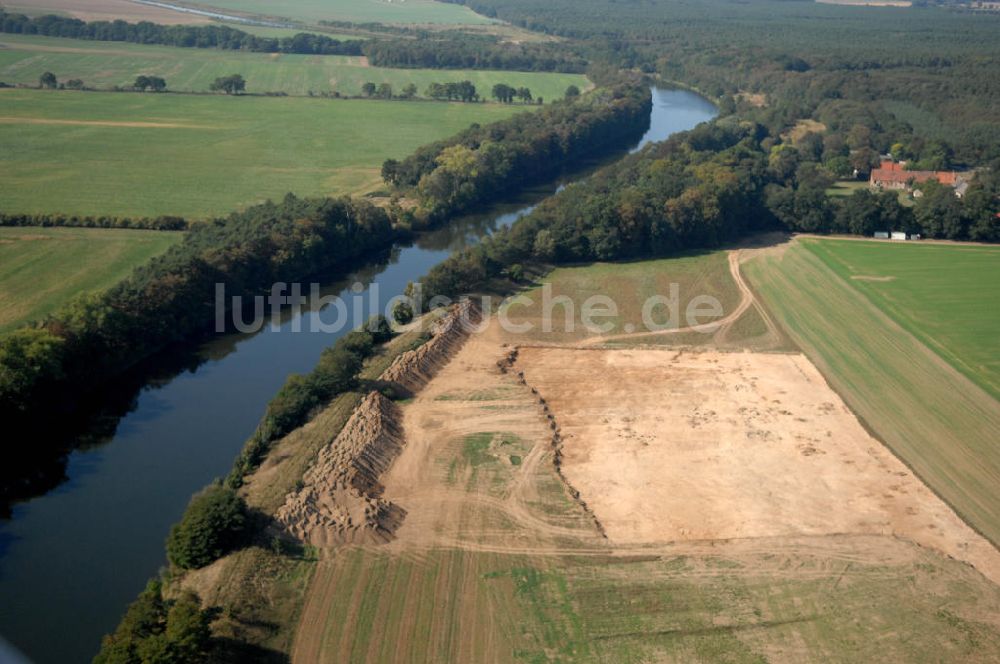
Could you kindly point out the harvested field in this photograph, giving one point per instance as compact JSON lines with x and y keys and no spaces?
{"x":731,"y":445}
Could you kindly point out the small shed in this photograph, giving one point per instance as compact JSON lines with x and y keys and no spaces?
{"x":898,"y":235}
{"x":881,"y":235}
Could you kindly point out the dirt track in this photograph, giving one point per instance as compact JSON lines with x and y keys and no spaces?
{"x":719,"y":327}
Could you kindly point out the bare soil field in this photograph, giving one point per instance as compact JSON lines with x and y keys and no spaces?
{"x":731,"y":445}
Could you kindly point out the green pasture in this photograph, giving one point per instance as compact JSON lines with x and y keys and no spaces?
{"x":944,"y":295}
{"x":203,"y":155}
{"x":41,"y":268}
{"x":102,"y":65}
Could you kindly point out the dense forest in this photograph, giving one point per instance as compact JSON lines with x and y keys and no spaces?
{"x":920,"y":76}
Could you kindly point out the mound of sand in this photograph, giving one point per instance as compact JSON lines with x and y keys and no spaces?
{"x":412,"y":370}
{"x":341,"y":498}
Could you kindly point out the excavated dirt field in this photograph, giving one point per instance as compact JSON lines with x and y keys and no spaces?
{"x":730,"y":445}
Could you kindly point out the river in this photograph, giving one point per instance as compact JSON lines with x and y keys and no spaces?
{"x":72,"y":559}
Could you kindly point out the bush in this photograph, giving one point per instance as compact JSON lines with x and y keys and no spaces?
{"x":155,"y":630}
{"x":213,"y":524}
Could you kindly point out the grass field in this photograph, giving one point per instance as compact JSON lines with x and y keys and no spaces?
{"x":743,"y":324}
{"x":356,"y":11}
{"x":102,"y":65}
{"x":629,"y":285}
{"x":41,"y":268}
{"x":933,"y":417}
{"x":198,"y":156}
{"x":944,"y":295}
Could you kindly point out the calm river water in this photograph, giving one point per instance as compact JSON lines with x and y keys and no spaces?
{"x":72,"y":560}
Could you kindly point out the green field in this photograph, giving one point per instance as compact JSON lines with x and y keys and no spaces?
{"x":203,"y":155}
{"x":932,"y":416}
{"x":103,"y":65}
{"x":629,"y":285}
{"x":355,"y":11}
{"x":946,"y":296}
{"x":41,"y":268}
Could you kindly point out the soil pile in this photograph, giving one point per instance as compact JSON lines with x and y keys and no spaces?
{"x":341,"y":501}
{"x":412,"y":370}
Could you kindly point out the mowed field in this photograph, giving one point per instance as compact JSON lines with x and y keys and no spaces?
{"x":203,"y":155}
{"x":103,"y":65}
{"x":944,"y":295}
{"x":356,"y":11}
{"x":42,"y":268}
{"x":935,"y":418}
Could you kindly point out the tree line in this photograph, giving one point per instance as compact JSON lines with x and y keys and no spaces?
{"x":464,"y":51}
{"x":483,"y":163}
{"x":144,"y":32}
{"x":162,"y":223}
{"x":457,"y":51}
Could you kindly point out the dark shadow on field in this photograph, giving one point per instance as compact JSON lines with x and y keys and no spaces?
{"x":232,"y":651}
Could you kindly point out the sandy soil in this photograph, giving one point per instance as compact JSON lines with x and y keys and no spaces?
{"x":110,"y":10}
{"x":731,"y":445}
{"x":441,"y":512}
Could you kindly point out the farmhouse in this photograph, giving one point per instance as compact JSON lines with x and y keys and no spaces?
{"x":893,"y":175}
